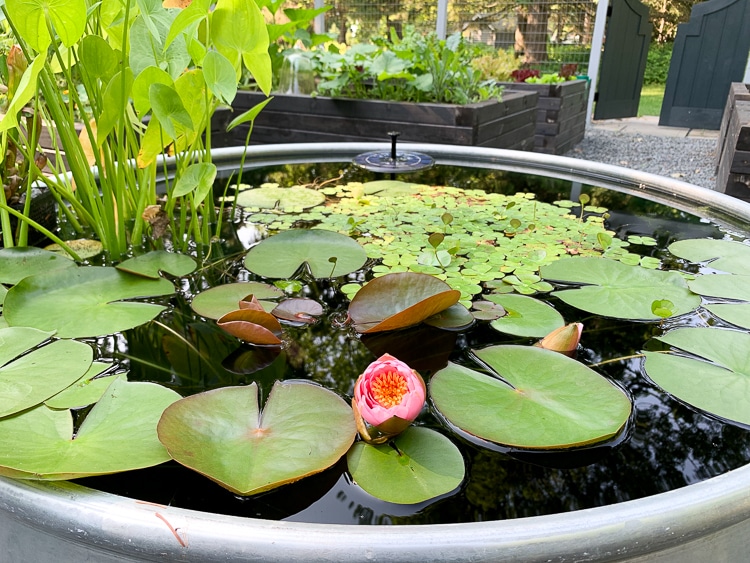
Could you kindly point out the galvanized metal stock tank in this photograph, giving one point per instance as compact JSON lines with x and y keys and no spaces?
{"x":704,"y":522}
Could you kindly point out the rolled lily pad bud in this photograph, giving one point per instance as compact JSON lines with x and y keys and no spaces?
{"x":17,"y":65}
{"x":564,"y":339}
{"x":388,"y":396}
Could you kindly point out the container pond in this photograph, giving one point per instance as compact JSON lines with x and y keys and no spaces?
{"x":667,"y":483}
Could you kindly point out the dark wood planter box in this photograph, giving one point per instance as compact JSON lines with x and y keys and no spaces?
{"x":733,"y":150}
{"x":560,"y":114}
{"x":508,"y":124}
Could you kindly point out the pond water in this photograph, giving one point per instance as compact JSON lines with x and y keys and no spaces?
{"x":666,"y":444}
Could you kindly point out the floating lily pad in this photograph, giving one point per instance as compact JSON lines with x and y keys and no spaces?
{"x":718,"y":381}
{"x":30,"y":379}
{"x":525,"y":316}
{"x":421,"y":464}
{"x":82,"y":302}
{"x":614,"y":289}
{"x":218,"y":301}
{"x":389,"y":188}
{"x":252,"y":326}
{"x":285,"y":199}
{"x":119,"y":434}
{"x":727,"y":256}
{"x":399,"y":300}
{"x":545,"y":400}
{"x":455,"y":317}
{"x":85,"y":248}
{"x":86,"y":391}
{"x":150,"y":264}
{"x":298,"y":310}
{"x":719,"y":285}
{"x":326,"y":254}
{"x":19,"y":262}
{"x":487,"y":310}
{"x":734,"y":313}
{"x":303,"y":429}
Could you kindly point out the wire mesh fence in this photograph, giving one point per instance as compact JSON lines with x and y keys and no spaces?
{"x":543,"y":34}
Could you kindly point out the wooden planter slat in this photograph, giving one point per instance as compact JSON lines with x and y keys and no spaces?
{"x":561,"y":112}
{"x":733,"y":150}
{"x":506,"y":124}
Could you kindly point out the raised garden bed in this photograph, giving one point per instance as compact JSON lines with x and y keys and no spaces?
{"x":733,"y":150}
{"x":560,"y":114}
{"x":509,"y":124}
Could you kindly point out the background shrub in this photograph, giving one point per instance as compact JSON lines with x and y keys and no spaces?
{"x":657,"y":63}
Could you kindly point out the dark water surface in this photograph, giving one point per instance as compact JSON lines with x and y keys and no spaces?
{"x":665,"y":446}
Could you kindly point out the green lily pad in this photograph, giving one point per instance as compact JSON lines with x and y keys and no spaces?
{"x":119,"y":434}
{"x":727,"y":256}
{"x":20,"y":262}
{"x":734,"y":313}
{"x":399,"y":300}
{"x":326,"y":254}
{"x":86,"y":391}
{"x":220,"y":300}
{"x":718,"y":381}
{"x":85,"y":248}
{"x":285,"y":199}
{"x":525,"y":316}
{"x":82,"y":302}
{"x":32,"y":378}
{"x":617,"y":290}
{"x":719,"y":285}
{"x":455,"y":317}
{"x":544,"y":400}
{"x":420,"y":465}
{"x":150,"y":264}
{"x":389,"y":188}
{"x":303,"y":429}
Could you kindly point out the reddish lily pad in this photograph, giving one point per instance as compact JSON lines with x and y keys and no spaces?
{"x":400,"y":300}
{"x":222,"y":434}
{"x":252,"y":326}
{"x":325,"y":253}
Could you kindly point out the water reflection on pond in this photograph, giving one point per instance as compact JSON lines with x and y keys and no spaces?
{"x":667,"y":445}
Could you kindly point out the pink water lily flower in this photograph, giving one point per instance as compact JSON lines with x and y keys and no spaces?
{"x":388,"y":396}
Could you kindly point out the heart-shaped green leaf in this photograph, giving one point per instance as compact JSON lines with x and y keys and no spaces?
{"x":30,"y":379}
{"x":544,"y":400}
{"x":119,"y":434}
{"x":34,"y":18}
{"x":525,"y":316}
{"x":285,"y":199}
{"x":303,"y":429}
{"x":86,"y":391}
{"x":81,"y":302}
{"x":326,"y":254}
{"x":198,"y":178}
{"x":418,"y":465}
{"x":220,"y":300}
{"x":718,"y":381}
{"x":399,"y":300}
{"x":150,"y":264}
{"x":617,"y":290}
{"x":724,"y":255}
{"x":19,"y":262}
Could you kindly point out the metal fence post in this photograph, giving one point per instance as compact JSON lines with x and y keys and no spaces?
{"x":595,"y":56}
{"x":441,"y":26}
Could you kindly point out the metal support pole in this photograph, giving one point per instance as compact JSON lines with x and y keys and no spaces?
{"x":441,"y":28}
{"x":319,"y":23}
{"x":595,"y":57}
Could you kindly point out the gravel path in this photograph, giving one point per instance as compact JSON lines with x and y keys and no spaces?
{"x":690,"y":159}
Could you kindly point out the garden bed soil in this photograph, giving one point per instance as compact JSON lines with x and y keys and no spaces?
{"x":560,"y":114}
{"x":509,"y":124}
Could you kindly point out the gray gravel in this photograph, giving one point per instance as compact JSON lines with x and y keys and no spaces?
{"x":690,"y":159}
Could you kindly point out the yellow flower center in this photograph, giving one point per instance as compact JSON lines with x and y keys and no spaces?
{"x":389,"y":389}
